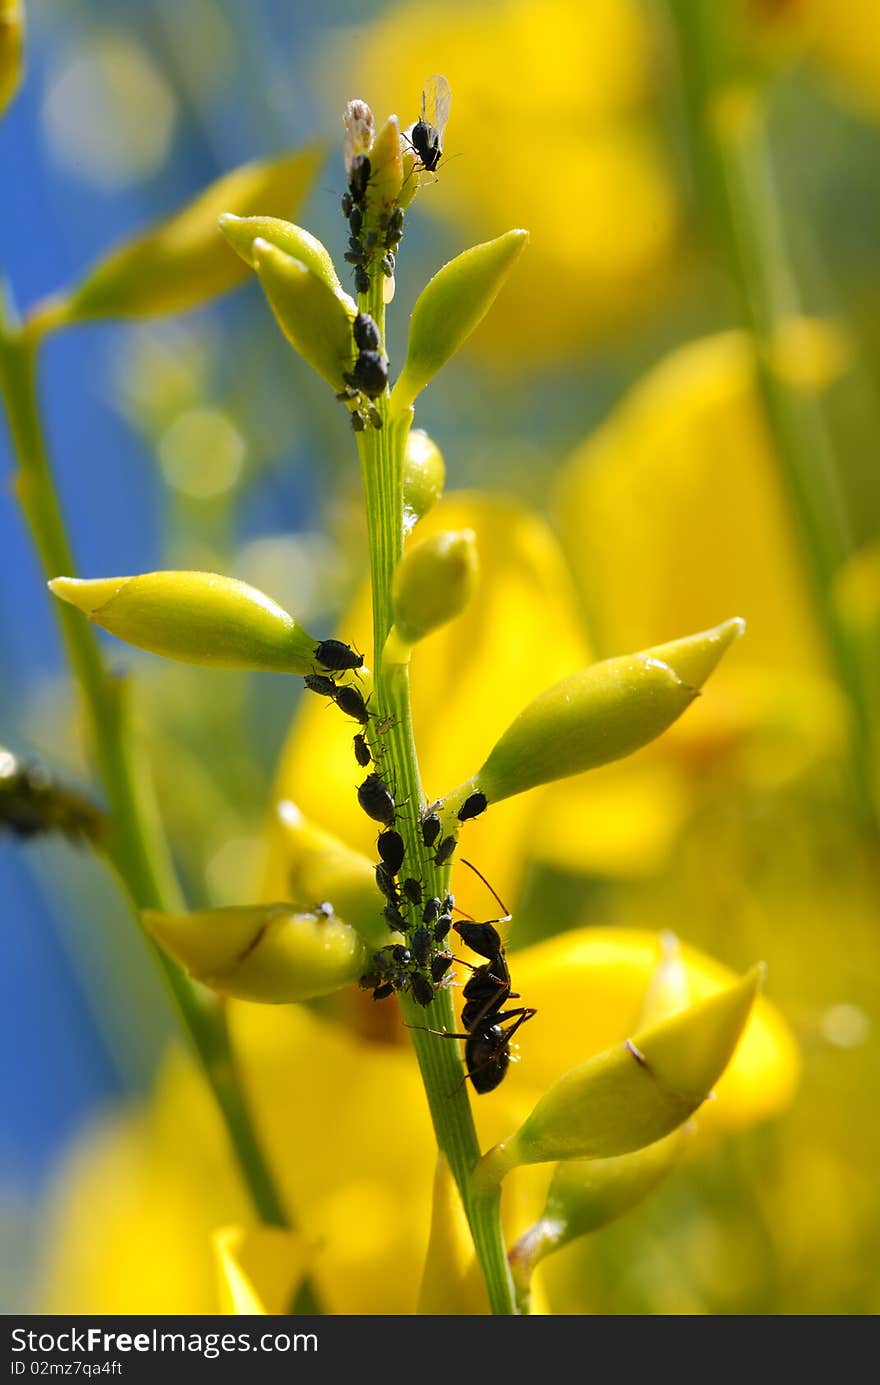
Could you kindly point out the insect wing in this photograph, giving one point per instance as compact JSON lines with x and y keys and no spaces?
{"x":436,"y":100}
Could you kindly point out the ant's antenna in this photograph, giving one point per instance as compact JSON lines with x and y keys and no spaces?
{"x":498,"y":900}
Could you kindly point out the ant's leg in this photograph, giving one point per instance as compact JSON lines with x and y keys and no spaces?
{"x":524,"y":1014}
{"x":441,"y":1033}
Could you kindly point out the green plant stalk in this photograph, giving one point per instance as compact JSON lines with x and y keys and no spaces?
{"x":381,"y":456}
{"x":136,"y":846}
{"x":735,"y":177}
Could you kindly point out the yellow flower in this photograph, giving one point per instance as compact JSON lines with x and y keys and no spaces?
{"x":551,"y":114}
{"x":337,"y":1096}
{"x":672,"y":515}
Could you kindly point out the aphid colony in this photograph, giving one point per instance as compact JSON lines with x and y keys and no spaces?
{"x":374,"y":235}
{"x":368,"y":377}
{"x":32,"y":804}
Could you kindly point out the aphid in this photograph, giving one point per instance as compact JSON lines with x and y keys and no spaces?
{"x":385,"y":882}
{"x":355,"y":257}
{"x":384,"y":724}
{"x":361,"y":280}
{"x":427,"y":133}
{"x":369,"y":374}
{"x":377,"y":800}
{"x":361,"y":751}
{"x":421,"y":946}
{"x":413,"y":891}
{"x":320,"y":683}
{"x":387,"y":265}
{"x":392,"y":851}
{"x":394,"y":229}
{"x":440,"y":965}
{"x":358,"y":177}
{"x":350,"y":701}
{"x":338,"y":656}
{"x":430,"y":829}
{"x":384,"y":991}
{"x":401,"y":955}
{"x":422,"y":990}
{"x":475,"y":804}
{"x":366,"y":333}
{"x":374,"y":416}
{"x":347,"y":205}
{"x":31,"y":804}
{"x":444,"y":850}
{"x":355,"y":221}
{"x":394,"y":918}
{"x":449,"y":904}
{"x":358,"y":422}
{"x":442,"y":927}
{"x":487,"y":1037}
{"x":431,"y":910}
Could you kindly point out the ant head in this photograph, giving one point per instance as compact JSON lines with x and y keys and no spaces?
{"x":482,"y":938}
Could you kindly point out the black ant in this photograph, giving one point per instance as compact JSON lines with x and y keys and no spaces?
{"x":487,"y":1039}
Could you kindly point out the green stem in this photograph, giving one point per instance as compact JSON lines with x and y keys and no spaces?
{"x":726,"y":120}
{"x":382,"y":456}
{"x":136,"y":846}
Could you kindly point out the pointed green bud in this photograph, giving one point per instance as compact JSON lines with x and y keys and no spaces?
{"x":321,"y":867}
{"x":185,"y":261}
{"x":449,"y":308}
{"x":386,"y":175}
{"x":587,"y":1194}
{"x":434,"y":582}
{"x":600,"y":714}
{"x":262,"y":952}
{"x":197,"y":617}
{"x":11,"y":49}
{"x":242,"y":231}
{"x":424,"y":475}
{"x":634,"y":1093}
{"x":315,"y":320}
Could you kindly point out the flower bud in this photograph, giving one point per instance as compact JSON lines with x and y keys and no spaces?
{"x":197,"y":617}
{"x":319,"y":866}
{"x":386,"y":174}
{"x":602,"y":713}
{"x":434,"y":582}
{"x":262,"y":952}
{"x":315,"y":320}
{"x":634,"y":1093}
{"x":11,"y":47}
{"x":424,"y":474}
{"x":243,"y":231}
{"x":184,"y":261}
{"x":586,"y":1194}
{"x":448,"y":309}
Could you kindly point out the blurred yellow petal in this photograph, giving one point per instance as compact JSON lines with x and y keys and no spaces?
{"x":551,"y":114}
{"x":588,"y":987}
{"x":259,"y":1268}
{"x":452,"y":1282}
{"x":520,"y":634}
{"x":352,"y":1143}
{"x":135,"y":1203}
{"x":844,"y":38}
{"x":672,"y":514}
